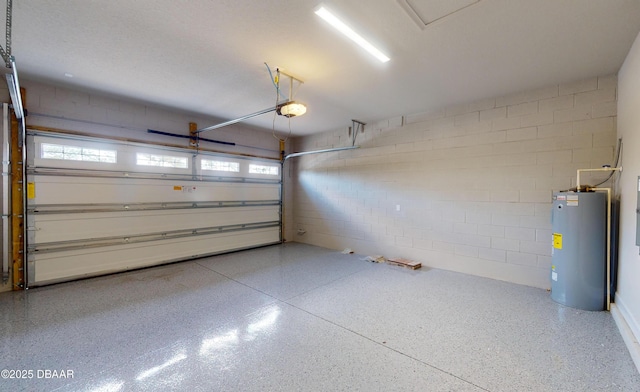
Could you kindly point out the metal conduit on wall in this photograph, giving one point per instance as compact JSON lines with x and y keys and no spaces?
{"x":5,"y":194}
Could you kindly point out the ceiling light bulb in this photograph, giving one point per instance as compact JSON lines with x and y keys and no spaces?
{"x":292,"y":109}
{"x":352,"y":35}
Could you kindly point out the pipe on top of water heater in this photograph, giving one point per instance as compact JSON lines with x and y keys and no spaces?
{"x":593,"y":170}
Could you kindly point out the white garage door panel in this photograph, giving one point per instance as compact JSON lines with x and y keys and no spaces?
{"x":68,"y":227}
{"x":99,"y":206}
{"x":80,"y":190}
{"x":60,"y":266}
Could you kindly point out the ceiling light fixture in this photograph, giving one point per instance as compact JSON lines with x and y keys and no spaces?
{"x":352,"y":35}
{"x":288,"y":108}
{"x":291,"y":109}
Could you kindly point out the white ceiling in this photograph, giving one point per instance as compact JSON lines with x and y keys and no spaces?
{"x":206,"y":56}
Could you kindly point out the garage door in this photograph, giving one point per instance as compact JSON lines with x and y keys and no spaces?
{"x":98,"y":206}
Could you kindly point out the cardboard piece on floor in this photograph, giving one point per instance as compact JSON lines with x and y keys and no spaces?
{"x":405,"y":263}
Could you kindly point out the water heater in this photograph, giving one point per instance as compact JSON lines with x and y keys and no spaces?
{"x":578,"y":270}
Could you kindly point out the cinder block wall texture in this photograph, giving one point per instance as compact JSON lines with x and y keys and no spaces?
{"x":465,"y":188}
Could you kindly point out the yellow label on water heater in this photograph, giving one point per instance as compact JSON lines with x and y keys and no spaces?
{"x":557,"y":240}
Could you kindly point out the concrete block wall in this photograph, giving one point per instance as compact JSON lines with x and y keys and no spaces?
{"x":465,"y":188}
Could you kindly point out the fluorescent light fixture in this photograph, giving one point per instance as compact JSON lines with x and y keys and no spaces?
{"x":355,"y":37}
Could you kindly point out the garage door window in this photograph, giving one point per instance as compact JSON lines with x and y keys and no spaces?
{"x":263,"y":169}
{"x":144,"y":159}
{"x":208,"y":164}
{"x":75,"y":153}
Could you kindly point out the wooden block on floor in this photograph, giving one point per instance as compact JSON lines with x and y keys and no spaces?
{"x":405,"y":263}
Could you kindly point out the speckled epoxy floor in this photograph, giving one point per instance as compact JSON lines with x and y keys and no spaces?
{"x":295,"y":317}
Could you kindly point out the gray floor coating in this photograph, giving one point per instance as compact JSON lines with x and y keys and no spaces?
{"x":295,"y":317}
